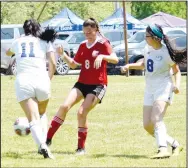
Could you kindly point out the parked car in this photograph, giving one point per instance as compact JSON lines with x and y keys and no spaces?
{"x":8,"y":64}
{"x":63,"y":35}
{"x":116,"y":37}
{"x":139,"y":36}
{"x":9,"y":33}
{"x":135,"y":53}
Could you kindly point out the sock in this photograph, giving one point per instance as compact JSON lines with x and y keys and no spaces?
{"x":55,"y":124}
{"x":82,"y":134}
{"x":44,"y":123}
{"x":160,"y":134}
{"x":36,"y":131}
{"x":171,"y":141}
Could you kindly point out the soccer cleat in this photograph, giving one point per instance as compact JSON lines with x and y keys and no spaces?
{"x":39,"y":151}
{"x":48,"y":142}
{"x":176,"y":150}
{"x":162,"y":153}
{"x":80,"y":151}
{"x":45,"y":151}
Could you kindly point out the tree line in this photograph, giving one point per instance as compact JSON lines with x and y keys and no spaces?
{"x":18,"y":12}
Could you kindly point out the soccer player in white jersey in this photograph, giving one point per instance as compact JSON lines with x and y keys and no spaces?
{"x":159,"y":61}
{"x":32,"y":82}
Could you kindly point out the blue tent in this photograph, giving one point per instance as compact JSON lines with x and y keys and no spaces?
{"x":66,"y":20}
{"x":116,"y":21}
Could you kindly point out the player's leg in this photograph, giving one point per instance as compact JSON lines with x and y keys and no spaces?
{"x":148,"y":125}
{"x":30,"y":107}
{"x":74,"y":97}
{"x":94,"y":95}
{"x":147,"y":110}
{"x":158,"y":112}
{"x":88,"y":104}
{"x":164,"y":98}
{"x":42,"y":105}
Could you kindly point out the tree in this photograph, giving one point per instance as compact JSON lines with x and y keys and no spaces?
{"x":142,"y":10}
{"x":18,"y":12}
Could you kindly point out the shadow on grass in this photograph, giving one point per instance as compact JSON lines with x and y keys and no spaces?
{"x":63,"y":152}
{"x":25,"y":155}
{"x":120,"y":155}
{"x":131,"y":156}
{"x":98,"y":155}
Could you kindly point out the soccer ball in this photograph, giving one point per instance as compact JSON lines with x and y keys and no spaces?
{"x":21,"y":126}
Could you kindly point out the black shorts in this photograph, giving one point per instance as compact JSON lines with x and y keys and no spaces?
{"x":98,"y":90}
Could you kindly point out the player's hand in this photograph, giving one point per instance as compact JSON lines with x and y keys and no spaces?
{"x":124,"y":68}
{"x":98,"y":61}
{"x":176,"y":90}
{"x":60,"y":51}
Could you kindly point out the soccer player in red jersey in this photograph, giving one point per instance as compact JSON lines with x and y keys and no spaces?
{"x":93,"y":54}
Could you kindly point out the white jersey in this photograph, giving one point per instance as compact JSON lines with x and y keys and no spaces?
{"x":158,"y":65}
{"x":30,"y":54}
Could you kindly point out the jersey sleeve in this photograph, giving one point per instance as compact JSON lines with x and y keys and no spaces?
{"x":77,"y":57}
{"x":49,"y":47}
{"x":107,"y":48}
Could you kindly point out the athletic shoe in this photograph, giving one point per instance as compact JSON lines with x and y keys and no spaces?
{"x":46,"y":151}
{"x":39,"y":151}
{"x":162,"y":153}
{"x":176,"y":150}
{"x":80,"y":151}
{"x":48,"y":142}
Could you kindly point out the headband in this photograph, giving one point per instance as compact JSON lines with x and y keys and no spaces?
{"x":156,"y":31}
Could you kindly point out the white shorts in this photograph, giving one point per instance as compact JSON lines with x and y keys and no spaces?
{"x":32,"y":86}
{"x":163,"y":93}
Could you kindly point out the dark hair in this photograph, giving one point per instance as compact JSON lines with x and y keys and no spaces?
{"x":32,"y":27}
{"x":178,"y":56}
{"x":48,"y":35}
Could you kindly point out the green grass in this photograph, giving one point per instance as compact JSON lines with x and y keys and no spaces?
{"x":116,"y":137}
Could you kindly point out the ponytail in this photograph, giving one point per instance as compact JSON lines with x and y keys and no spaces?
{"x":178,"y":56}
{"x":48,"y":35}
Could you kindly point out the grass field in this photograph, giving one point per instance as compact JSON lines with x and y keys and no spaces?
{"x":116,"y":137}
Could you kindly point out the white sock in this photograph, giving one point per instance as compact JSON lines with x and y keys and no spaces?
{"x":36,"y":131}
{"x":44,"y":123}
{"x":160,"y":134}
{"x":171,"y":141}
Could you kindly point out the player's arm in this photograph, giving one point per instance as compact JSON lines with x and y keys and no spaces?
{"x":52,"y":64}
{"x":9,"y":52}
{"x":71,"y":63}
{"x":112,"y":58}
{"x":177,"y":77}
{"x":139,"y":65}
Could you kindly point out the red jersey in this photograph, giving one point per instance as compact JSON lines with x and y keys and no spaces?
{"x":86,"y":56}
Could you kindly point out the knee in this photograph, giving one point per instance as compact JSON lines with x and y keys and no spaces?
{"x":82,"y":113}
{"x":64,"y":108}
